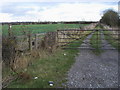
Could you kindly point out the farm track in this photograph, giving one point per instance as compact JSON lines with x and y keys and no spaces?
{"x":92,"y":71}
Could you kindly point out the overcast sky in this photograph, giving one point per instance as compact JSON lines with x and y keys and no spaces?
{"x":59,"y":10}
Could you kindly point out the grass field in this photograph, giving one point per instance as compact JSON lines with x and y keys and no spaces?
{"x":41,"y":28}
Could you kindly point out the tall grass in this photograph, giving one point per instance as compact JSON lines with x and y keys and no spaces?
{"x":49,"y":67}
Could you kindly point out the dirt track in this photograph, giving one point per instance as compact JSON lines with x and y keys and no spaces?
{"x":92,"y":71}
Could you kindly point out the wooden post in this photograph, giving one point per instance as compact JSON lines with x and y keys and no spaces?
{"x":36,"y":41}
{"x":57,"y":37}
{"x":30,"y":42}
{"x":97,"y":39}
{"x":9,"y":29}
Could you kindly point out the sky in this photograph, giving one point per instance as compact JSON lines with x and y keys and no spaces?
{"x":59,"y":10}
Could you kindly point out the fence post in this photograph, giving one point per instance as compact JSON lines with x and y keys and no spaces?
{"x":36,"y":41}
{"x":30,"y":42}
{"x":58,"y":37}
{"x":9,"y":29}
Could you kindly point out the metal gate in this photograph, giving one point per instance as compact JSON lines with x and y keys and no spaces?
{"x":84,"y":39}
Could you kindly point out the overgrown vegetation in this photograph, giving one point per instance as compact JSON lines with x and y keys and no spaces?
{"x":48,"y":67}
{"x":8,"y":49}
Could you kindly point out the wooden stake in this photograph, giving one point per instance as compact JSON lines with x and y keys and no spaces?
{"x":30,"y":42}
{"x":36,"y":41}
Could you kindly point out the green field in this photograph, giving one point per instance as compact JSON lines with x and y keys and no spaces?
{"x":41,"y":28}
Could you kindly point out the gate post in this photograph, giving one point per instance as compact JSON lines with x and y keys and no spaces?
{"x":30,"y":42}
{"x":97,"y":38}
{"x":36,"y":41}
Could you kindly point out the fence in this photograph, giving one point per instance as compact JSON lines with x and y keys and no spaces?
{"x":53,"y":39}
{"x":32,"y":41}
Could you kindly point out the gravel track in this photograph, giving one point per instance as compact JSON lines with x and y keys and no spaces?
{"x":92,"y":71}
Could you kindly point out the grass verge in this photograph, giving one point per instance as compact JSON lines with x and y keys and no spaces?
{"x":114,"y":42}
{"x":53,"y":67}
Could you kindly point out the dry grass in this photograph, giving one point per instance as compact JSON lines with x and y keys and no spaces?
{"x":40,"y":53}
{"x":20,"y":63}
{"x":23,"y":61}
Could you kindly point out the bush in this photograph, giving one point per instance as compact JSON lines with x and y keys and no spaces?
{"x":8,"y":49}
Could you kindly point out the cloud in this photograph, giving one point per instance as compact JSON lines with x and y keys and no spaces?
{"x":76,"y":11}
{"x":6,"y":17}
{"x":72,"y":11}
{"x":60,"y":1}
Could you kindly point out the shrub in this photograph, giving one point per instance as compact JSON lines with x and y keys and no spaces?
{"x":8,"y":49}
